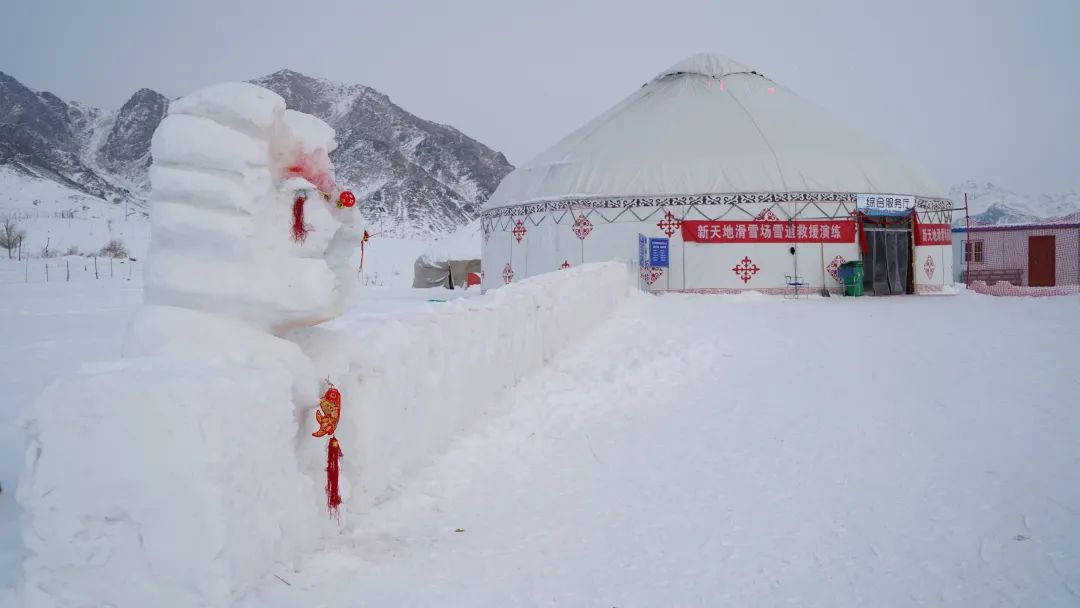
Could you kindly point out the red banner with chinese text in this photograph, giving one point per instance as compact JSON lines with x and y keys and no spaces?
{"x":757,"y":231}
{"x":933,"y":234}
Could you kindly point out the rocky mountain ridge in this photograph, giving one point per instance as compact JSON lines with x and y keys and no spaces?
{"x":415,"y":178}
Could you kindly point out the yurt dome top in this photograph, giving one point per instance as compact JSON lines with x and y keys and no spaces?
{"x":711,"y":125}
{"x":711,"y":65}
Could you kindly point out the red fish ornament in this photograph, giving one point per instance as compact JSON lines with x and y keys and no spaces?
{"x":328,"y":415}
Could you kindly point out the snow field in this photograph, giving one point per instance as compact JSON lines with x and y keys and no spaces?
{"x":62,"y":218}
{"x":750,"y":451}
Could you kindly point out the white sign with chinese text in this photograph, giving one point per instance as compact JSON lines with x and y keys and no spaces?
{"x":884,"y":203}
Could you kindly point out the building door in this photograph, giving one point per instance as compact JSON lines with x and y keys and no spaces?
{"x":1041,"y":261}
{"x":887,"y":261}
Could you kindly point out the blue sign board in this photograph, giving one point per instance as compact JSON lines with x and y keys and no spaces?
{"x":642,"y":249}
{"x":658,"y":253}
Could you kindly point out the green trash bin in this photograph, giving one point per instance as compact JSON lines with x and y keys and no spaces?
{"x":851,"y":273}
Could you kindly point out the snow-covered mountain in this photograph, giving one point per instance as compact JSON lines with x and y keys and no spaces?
{"x":101,"y":154}
{"x":416,"y":178}
{"x":991,"y":204}
{"x":413,"y":176}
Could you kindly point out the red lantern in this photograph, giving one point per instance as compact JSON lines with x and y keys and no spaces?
{"x":346,"y":199}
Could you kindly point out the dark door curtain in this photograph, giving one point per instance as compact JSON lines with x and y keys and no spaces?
{"x":887,"y":262}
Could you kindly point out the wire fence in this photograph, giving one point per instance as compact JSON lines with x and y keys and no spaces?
{"x":67,"y":269}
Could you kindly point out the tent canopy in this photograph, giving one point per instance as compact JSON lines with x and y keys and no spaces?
{"x":709,"y":125}
{"x":448,"y":262}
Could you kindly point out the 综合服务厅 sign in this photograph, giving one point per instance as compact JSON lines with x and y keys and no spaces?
{"x":884,"y":204}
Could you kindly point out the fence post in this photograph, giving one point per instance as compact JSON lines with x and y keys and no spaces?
{"x":67,"y":267}
{"x":111,"y":272}
{"x":46,"y":272}
{"x":95,"y":267}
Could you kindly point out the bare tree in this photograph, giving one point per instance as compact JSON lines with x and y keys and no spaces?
{"x":11,"y":237}
{"x":114,"y":249}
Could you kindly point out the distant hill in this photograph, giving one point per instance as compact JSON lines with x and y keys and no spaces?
{"x":990,"y":204}
{"x":416,"y":178}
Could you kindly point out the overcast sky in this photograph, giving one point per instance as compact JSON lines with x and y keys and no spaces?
{"x":983,"y":89}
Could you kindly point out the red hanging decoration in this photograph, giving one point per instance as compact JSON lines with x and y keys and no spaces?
{"x":346,"y":199}
{"x":328,"y":415}
{"x":362,"y":241}
{"x":333,"y":470}
{"x":299,"y":229}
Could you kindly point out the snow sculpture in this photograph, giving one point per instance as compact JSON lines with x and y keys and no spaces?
{"x":229,"y":162}
{"x":189,"y":465}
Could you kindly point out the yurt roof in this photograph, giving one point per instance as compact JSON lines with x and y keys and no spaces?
{"x":706,"y":125}
{"x":463,"y":244}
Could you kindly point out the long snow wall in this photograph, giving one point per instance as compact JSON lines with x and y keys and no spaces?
{"x":418,"y":378}
{"x":171,"y":481}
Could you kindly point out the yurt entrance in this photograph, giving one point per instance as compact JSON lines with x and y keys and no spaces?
{"x":887,"y":258}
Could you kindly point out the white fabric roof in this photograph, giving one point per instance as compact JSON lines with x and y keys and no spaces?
{"x":709,"y":125}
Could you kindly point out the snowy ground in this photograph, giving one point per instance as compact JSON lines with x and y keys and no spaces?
{"x":699,"y":450}
{"x":751,"y":451}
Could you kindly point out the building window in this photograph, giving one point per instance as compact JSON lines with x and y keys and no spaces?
{"x":973,"y":252}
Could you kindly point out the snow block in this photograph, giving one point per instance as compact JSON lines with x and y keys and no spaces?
{"x":242,"y":106}
{"x":193,"y":142}
{"x":291,"y":291}
{"x":177,"y":226}
{"x":234,"y":193}
{"x":179,"y":333}
{"x":411,"y":382}
{"x":309,"y":133}
{"x":150,"y":479}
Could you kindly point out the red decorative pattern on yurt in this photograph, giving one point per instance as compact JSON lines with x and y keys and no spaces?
{"x":669,"y":224}
{"x":582,"y":226}
{"x":519,"y":230}
{"x":746,"y":269}
{"x":650,"y":274}
{"x":834,"y":267}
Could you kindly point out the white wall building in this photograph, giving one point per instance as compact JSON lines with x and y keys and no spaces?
{"x":737,"y":172}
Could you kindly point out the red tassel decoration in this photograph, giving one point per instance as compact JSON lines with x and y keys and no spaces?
{"x":299,"y":230}
{"x":362,"y":241}
{"x":328,"y":415}
{"x":333,"y":460}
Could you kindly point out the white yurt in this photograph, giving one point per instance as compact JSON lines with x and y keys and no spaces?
{"x":714,"y":178}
